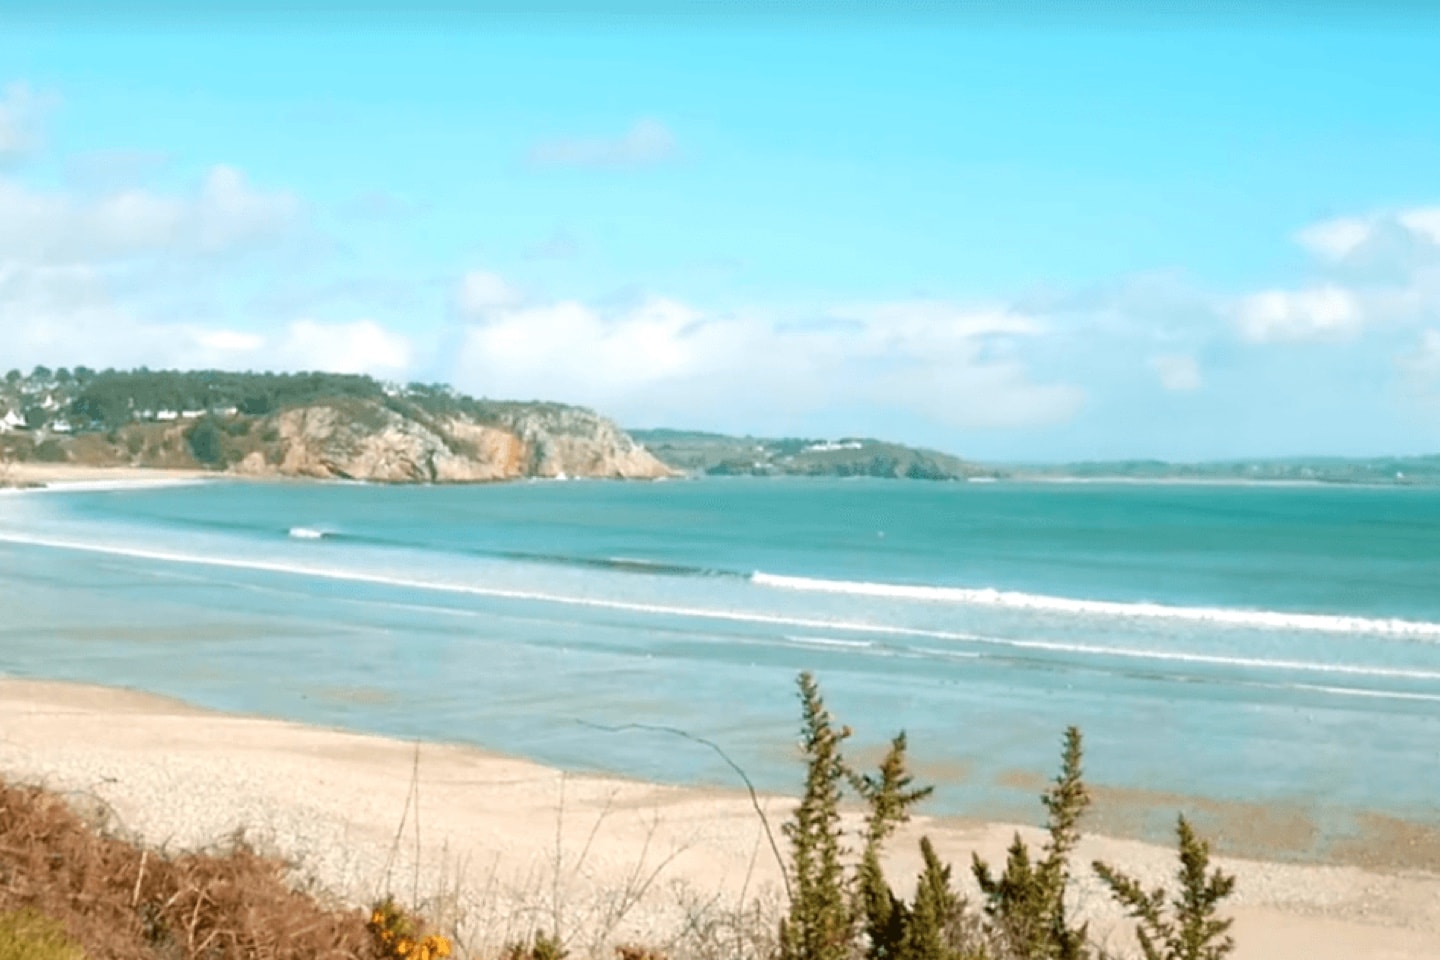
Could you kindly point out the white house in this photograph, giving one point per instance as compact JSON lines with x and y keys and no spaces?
{"x":11,"y":421}
{"x":61,"y":426}
{"x":166,"y":415}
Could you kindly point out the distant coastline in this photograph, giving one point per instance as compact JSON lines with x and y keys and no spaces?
{"x":340,"y":427}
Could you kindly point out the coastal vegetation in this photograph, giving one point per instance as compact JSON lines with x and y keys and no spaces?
{"x":73,"y":885}
{"x":719,"y":455}
{"x":841,"y":911}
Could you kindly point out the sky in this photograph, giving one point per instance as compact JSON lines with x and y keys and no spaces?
{"x":1051,"y":236}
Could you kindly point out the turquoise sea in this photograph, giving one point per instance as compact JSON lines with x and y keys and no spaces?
{"x":1246,"y":644}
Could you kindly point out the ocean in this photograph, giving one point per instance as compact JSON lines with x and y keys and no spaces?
{"x":1223,"y":648}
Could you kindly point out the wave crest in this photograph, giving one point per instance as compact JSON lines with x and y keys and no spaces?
{"x":1016,"y":600}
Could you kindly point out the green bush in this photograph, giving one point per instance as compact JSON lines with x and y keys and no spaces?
{"x":837,"y":913}
{"x":1026,"y":903}
{"x":27,"y":935}
{"x":1191,"y":931}
{"x":207,"y":442}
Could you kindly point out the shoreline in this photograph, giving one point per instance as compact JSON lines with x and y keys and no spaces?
{"x":34,"y":475}
{"x":524,"y":843}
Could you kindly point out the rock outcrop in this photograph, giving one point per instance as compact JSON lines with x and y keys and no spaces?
{"x":364,"y":441}
{"x":382,"y":440}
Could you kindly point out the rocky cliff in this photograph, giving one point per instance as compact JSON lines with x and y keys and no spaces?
{"x":366,"y":441}
{"x":391,"y":435}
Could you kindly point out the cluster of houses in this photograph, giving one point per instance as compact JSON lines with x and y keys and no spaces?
{"x":13,"y":420}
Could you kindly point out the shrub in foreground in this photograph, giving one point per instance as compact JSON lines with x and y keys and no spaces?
{"x":842,"y":910}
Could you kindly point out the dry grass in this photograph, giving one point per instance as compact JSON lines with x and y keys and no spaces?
{"x":116,"y":900}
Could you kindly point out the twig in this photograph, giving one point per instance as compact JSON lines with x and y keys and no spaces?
{"x":555,"y":909}
{"x":139,"y":879}
{"x":404,"y":817}
{"x":750,"y":786}
{"x":415,"y":789}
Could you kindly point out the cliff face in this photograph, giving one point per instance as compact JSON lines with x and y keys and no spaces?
{"x":380,"y":444}
{"x":384,"y":441}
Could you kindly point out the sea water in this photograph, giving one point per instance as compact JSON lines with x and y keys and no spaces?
{"x":1277,"y":645}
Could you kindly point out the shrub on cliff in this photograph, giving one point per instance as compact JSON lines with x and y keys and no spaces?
{"x":207,"y":442}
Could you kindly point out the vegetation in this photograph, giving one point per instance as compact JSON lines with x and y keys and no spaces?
{"x":838,"y":912}
{"x":397,"y":935}
{"x":1026,"y":904}
{"x":68,"y":885}
{"x":1191,"y":930}
{"x":27,"y":935}
{"x":719,"y":455}
{"x":170,"y":419}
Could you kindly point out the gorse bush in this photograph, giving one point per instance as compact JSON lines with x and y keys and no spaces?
{"x":396,"y":935}
{"x":820,"y":925}
{"x":1192,"y":931}
{"x":1026,"y":904}
{"x":544,"y":946}
{"x":842,"y":907}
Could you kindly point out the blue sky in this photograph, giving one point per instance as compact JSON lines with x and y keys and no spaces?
{"x":1185,"y":238}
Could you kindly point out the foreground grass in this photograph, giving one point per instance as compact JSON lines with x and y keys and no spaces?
{"x":69,"y":891}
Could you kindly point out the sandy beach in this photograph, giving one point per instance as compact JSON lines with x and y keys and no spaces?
{"x":69,"y":474}
{"x":508,"y":846}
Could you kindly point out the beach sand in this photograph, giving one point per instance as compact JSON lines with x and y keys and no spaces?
{"x":514,"y":846}
{"x":64,"y":474}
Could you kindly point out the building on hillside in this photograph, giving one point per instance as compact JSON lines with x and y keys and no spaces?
{"x":11,"y":421}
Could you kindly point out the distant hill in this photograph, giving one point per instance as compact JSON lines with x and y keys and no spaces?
{"x":304,"y":425}
{"x":716,"y":454}
{"x":1423,"y":470}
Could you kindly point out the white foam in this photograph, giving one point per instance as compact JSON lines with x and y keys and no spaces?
{"x":378,"y":579}
{"x":1015,"y":600}
{"x":831,"y":642}
{"x":734,"y":616}
{"x":1368,"y":694}
{"x":307,"y":533}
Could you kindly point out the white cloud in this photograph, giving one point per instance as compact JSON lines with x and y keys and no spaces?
{"x":21,"y":109}
{"x":1423,"y":222}
{"x":67,"y":315}
{"x":1324,"y":312}
{"x":648,"y":141}
{"x":223,"y":214}
{"x":1335,"y":239}
{"x":482,"y":292}
{"x":1421,"y":365}
{"x":1376,"y":269}
{"x":1388,"y":234}
{"x":1177,"y":371}
{"x":662,"y":360}
{"x":363,"y":346}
